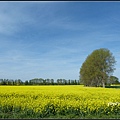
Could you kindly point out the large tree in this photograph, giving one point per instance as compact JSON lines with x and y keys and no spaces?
{"x":97,"y":68}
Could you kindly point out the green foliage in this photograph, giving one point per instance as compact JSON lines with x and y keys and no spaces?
{"x":39,"y":81}
{"x":50,"y":112}
{"x":113,"y":80}
{"x":97,"y":68}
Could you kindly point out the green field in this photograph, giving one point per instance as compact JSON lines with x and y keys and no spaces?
{"x":70,"y":101}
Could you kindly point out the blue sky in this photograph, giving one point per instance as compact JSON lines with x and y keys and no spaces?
{"x":53,"y":39}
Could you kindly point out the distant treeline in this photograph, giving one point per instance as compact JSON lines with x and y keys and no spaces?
{"x":39,"y":81}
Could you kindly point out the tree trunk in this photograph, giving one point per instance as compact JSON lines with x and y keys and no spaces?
{"x":103,"y":85}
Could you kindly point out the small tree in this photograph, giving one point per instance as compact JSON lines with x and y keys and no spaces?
{"x":113,"y":80}
{"x":26,"y":82}
{"x":96,"y":69}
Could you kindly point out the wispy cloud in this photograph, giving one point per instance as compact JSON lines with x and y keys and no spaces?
{"x":12,"y":17}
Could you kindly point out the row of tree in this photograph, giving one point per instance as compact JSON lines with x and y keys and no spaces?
{"x":97,"y":69}
{"x":39,"y":81}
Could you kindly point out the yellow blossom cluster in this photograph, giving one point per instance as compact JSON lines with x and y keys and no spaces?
{"x":74,"y":99}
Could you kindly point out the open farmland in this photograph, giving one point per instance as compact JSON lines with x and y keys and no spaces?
{"x":59,"y":102}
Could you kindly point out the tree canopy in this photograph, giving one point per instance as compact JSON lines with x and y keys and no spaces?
{"x":97,"y":68}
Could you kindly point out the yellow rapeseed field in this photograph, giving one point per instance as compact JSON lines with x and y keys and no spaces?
{"x":63,"y":100}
